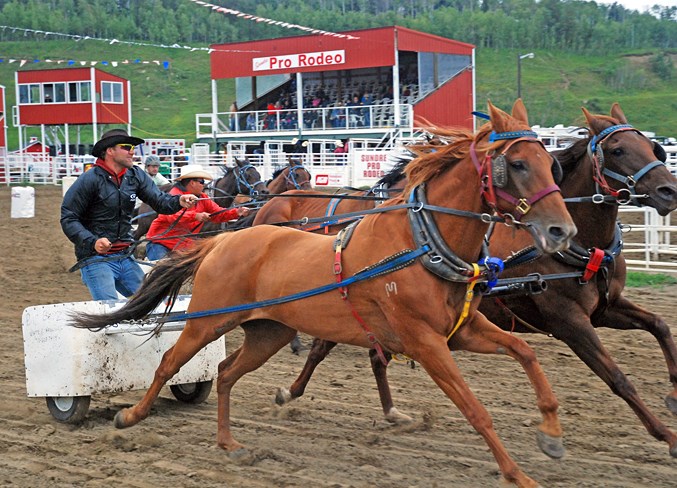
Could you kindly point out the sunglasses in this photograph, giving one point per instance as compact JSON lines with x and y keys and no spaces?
{"x":126,"y":147}
{"x":202,"y":182}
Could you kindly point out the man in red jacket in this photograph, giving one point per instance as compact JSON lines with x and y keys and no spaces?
{"x":169,"y":232}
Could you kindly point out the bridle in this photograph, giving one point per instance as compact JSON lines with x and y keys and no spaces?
{"x":291,"y":177}
{"x":596,"y":154}
{"x":241,"y":173}
{"x":493,"y":172}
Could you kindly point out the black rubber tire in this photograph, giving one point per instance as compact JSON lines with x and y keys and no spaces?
{"x":192,"y":392}
{"x":69,"y":410}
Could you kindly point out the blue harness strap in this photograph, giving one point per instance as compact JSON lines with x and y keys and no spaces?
{"x":404,"y":259}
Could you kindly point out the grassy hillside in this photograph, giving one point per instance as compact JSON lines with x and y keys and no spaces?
{"x":554,"y":85}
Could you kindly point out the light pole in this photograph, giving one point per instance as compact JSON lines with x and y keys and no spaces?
{"x":520,"y":57}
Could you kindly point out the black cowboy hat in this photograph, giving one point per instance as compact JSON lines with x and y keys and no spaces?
{"x":111,"y":138}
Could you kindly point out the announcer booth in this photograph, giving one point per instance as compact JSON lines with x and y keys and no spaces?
{"x":401,"y":76}
{"x":68,"y":97}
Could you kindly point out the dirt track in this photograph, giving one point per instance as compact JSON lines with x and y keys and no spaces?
{"x":335,"y":436}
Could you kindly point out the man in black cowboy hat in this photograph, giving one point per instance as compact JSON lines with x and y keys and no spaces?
{"x":97,"y":210}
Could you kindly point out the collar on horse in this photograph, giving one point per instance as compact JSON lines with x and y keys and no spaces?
{"x":596,"y":154}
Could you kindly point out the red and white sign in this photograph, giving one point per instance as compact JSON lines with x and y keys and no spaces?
{"x":302,"y":60}
{"x":325,"y":179}
{"x":370,"y":166}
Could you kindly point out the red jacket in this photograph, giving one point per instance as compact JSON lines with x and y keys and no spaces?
{"x":185,"y":222}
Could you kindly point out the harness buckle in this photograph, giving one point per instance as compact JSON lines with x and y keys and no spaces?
{"x":598,"y":198}
{"x":523,"y":206}
{"x":624,"y":200}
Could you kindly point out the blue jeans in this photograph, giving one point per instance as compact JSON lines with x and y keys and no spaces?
{"x":155,"y":251}
{"x":104,"y":278}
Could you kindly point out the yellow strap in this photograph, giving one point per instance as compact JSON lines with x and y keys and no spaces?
{"x":469,"y":295}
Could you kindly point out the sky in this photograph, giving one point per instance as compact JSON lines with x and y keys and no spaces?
{"x":640,"y":5}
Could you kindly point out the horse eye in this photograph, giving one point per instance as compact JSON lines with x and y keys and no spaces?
{"x":518,"y":165}
{"x":617,"y":152}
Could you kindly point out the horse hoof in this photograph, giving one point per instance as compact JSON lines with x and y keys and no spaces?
{"x":242,"y":456}
{"x":119,"y":421}
{"x":551,"y":446}
{"x":671,"y":403}
{"x":394,"y":416}
{"x":282,"y":396}
{"x":673,"y":451}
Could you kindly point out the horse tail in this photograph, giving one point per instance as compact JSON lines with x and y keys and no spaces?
{"x":164,"y":280}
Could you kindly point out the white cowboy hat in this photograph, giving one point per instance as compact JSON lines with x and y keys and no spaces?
{"x":194,"y":171}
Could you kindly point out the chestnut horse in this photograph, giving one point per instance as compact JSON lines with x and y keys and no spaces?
{"x":413,"y":294}
{"x":293,"y":176}
{"x":570,"y":310}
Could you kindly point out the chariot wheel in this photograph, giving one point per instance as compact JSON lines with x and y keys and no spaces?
{"x":192,"y":392}
{"x":70,"y":410}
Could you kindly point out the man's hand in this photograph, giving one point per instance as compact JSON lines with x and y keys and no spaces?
{"x":243,"y":211}
{"x":102,"y":246}
{"x":187,"y":201}
{"x":202,"y":217}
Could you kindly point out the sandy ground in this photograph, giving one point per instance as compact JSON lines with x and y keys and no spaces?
{"x":336,"y":435}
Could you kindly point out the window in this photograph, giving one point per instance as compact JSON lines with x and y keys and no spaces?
{"x":111,"y":92}
{"x":79,"y":91}
{"x":29,"y":93}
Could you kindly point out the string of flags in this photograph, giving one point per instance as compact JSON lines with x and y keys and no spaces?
{"x":72,"y":62}
{"x":255,"y":18}
{"x":77,"y":37}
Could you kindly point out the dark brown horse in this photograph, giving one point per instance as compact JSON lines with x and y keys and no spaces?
{"x":625,"y":164}
{"x":241,"y":179}
{"x":388,"y":273}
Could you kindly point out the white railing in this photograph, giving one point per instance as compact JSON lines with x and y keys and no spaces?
{"x":345,"y":118}
{"x":649,"y":244}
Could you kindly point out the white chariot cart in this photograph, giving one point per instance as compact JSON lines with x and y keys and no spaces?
{"x":67,"y":365}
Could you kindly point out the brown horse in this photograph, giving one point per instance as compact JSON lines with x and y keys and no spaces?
{"x":570,"y":310}
{"x":409,"y":298}
{"x":293,"y":176}
{"x":294,"y":205}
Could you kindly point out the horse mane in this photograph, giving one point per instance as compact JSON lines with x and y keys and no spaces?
{"x":434,"y":158}
{"x":570,"y":157}
{"x":396,"y":173}
{"x":277,"y":172}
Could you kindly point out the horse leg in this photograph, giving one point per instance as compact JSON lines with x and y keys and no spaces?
{"x":263,"y":338}
{"x":433,"y":355}
{"x":482,"y":336}
{"x":392,"y":414}
{"x":622,"y":314}
{"x":318,"y":352}
{"x":192,"y":339}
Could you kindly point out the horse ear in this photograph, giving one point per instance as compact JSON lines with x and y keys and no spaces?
{"x":618,"y":114}
{"x":519,"y":111}
{"x":498,"y":118}
{"x":595,"y":124}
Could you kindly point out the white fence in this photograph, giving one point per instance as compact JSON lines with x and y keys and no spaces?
{"x":649,"y":244}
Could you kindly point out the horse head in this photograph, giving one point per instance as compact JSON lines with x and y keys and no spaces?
{"x":518,"y":178}
{"x":627,"y":165}
{"x":297,"y":176}
{"x":514,"y":172}
{"x":248,"y":178}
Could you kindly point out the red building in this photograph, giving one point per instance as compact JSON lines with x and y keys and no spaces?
{"x":71,"y":96}
{"x":400,"y":76}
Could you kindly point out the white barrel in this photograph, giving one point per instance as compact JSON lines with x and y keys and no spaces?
{"x":23,"y":202}
{"x":66,"y":183}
